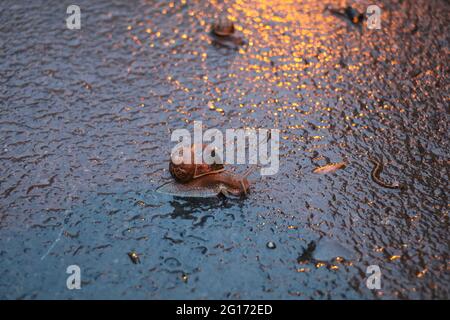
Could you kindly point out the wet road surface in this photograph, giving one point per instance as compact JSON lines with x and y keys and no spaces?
{"x":85,"y":121}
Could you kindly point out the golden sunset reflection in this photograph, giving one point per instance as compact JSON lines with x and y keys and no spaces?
{"x":290,"y":50}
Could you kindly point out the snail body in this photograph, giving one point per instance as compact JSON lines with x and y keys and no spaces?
{"x":226,"y":183}
{"x":207,"y":186}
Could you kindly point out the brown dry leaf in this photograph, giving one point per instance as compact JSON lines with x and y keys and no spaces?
{"x":331,"y":167}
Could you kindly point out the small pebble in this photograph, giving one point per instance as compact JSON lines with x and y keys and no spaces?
{"x":271,"y":245}
{"x":134,"y":257}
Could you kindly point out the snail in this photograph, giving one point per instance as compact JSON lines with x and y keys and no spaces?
{"x":223,"y":27}
{"x":349,"y":13}
{"x":223,"y":33}
{"x":353,"y":15}
{"x":205,"y":180}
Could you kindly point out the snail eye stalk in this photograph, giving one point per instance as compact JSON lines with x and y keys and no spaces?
{"x":249,"y":171}
{"x":243,"y":187}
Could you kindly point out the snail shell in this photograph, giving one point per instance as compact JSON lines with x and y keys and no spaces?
{"x":223,"y":27}
{"x":354,"y":16}
{"x":186,"y":172}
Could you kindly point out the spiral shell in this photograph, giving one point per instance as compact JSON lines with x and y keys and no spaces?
{"x":223,"y":27}
{"x":185,"y":172}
